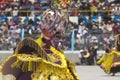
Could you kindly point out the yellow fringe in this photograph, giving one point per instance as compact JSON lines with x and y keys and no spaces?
{"x":42,"y":66}
{"x":26,"y":63}
{"x":103,"y":58}
{"x":72,"y":67}
{"x":39,"y":41}
{"x":32,"y":43}
{"x":59,"y":55}
{"x":107,"y":63}
{"x":115,"y":52}
{"x":7,"y":59}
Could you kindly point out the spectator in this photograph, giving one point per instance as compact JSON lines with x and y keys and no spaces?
{"x":4,"y":28}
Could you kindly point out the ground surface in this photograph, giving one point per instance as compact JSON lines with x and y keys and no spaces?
{"x":94,"y":73}
{"x":91,"y":73}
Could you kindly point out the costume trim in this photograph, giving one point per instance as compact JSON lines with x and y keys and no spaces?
{"x":108,"y":62}
{"x":27,"y":62}
{"x":32,"y":43}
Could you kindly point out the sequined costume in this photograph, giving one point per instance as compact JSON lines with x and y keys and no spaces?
{"x":33,"y":62}
{"x":41,"y":59}
{"x":110,"y":62}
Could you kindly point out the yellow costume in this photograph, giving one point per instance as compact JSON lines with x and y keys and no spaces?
{"x":110,"y":62}
{"x":31,"y":57}
{"x":42,"y":59}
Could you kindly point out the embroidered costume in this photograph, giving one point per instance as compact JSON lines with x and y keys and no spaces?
{"x":32,"y":62}
{"x":42,"y":59}
{"x":110,"y":62}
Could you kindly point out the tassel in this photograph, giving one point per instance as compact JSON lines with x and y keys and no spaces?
{"x":33,"y":44}
{"x":25,"y":63}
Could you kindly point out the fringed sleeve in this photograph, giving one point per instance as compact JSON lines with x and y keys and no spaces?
{"x":102,"y":59}
{"x":40,"y":66}
{"x":108,"y":62}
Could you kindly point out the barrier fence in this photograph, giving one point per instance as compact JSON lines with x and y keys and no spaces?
{"x":74,"y":56}
{"x":75,"y":12}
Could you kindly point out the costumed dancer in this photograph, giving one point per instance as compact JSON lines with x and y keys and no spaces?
{"x":103,"y":58}
{"x":42,"y":59}
{"x":110,"y":62}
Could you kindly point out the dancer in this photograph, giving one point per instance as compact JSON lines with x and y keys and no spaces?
{"x":42,"y":59}
{"x":103,"y":58}
{"x":110,"y":62}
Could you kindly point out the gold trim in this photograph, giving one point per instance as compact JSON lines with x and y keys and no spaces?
{"x":32,"y":63}
{"x":32,"y":43}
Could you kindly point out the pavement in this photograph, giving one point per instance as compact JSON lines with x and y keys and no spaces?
{"x":90,"y":73}
{"x":94,"y":73}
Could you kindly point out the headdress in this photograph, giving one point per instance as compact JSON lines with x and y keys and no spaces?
{"x":55,"y":19}
{"x":30,"y":56}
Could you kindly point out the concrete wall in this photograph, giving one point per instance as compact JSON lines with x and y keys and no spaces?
{"x":71,"y":55}
{"x":74,"y":56}
{"x":4,"y":55}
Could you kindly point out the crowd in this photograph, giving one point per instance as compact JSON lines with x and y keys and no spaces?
{"x":92,"y":29}
{"x":90,"y":7}
{"x":23,"y":7}
{"x":13,"y":29}
{"x":97,"y":7}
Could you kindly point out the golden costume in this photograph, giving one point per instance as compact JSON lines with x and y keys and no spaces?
{"x":42,"y":59}
{"x":110,"y":62}
{"x":32,"y":60}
